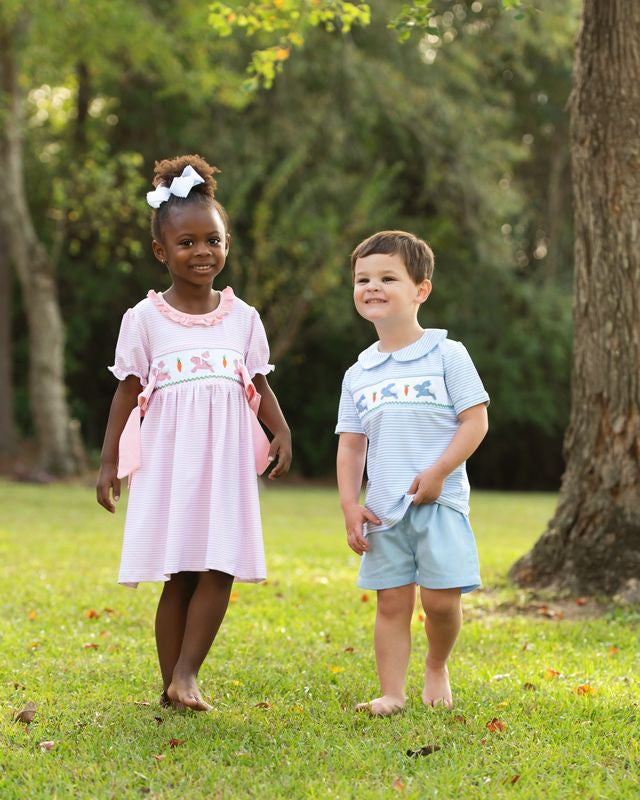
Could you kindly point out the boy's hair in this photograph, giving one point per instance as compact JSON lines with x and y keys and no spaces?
{"x":168,"y":169}
{"x":415,"y":253}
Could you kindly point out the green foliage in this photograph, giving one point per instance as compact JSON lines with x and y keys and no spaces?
{"x":302,"y":644}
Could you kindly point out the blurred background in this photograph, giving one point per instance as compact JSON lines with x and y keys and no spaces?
{"x":458,"y":134}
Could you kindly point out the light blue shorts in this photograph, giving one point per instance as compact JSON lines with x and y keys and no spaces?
{"x":432,"y":545}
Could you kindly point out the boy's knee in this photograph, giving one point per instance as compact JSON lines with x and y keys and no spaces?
{"x":440,"y":602}
{"x":396,"y":602}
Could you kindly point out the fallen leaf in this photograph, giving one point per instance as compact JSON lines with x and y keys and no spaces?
{"x":496,"y":725}
{"x":364,"y":598}
{"x":108,"y":610}
{"x":584,"y":688}
{"x":613,"y":649}
{"x":32,"y":615}
{"x":263,"y":705}
{"x":46,"y":745}
{"x":551,"y":673}
{"x":27,"y":714}
{"x":426,"y":750}
{"x":176,"y":742}
{"x":141,"y":703}
{"x":483,"y":741}
{"x":581,"y":601}
{"x":348,"y":649}
{"x":90,"y":646}
{"x":92,"y":614}
{"x":529,"y":686}
{"x":460,"y":718}
{"x":335,"y":670}
{"x":159,"y":720}
{"x":160,"y":757}
{"x":513,"y":779}
{"x":398,"y":785}
{"x":233,"y":597}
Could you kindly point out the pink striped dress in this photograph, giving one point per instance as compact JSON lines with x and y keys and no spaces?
{"x":193,"y":498}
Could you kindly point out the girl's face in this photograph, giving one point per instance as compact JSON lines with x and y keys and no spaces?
{"x":194,"y":244}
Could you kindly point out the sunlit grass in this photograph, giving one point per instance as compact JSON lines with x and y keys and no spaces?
{"x":292,"y":659}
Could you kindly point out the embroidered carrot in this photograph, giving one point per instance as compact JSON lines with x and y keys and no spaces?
{"x":224,"y":361}
{"x":374,"y":397}
{"x":406,"y":390}
{"x":179,"y":365}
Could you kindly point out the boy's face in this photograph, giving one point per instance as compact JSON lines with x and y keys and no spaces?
{"x":383,"y":291}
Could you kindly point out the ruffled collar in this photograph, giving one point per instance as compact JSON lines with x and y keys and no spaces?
{"x":372,"y":357}
{"x":189,"y":320}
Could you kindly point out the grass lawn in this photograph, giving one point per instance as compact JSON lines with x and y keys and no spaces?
{"x":293,"y":657}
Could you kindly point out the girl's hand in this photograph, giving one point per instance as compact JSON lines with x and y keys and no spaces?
{"x":280,"y":453}
{"x":354,"y":517}
{"x":426,"y":487}
{"x":108,"y":482}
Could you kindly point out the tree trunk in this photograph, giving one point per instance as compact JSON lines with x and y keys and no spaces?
{"x":56,"y":435}
{"x":592,"y":544}
{"x":8,"y":437}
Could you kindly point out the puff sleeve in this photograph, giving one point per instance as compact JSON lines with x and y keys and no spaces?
{"x":132,"y":349}
{"x":256,"y":356}
{"x":348,"y":417}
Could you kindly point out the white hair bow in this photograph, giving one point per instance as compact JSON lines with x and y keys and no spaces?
{"x":179,"y":186}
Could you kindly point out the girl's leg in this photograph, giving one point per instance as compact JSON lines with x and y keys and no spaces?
{"x":392,"y":639}
{"x":206,"y":611}
{"x":171,"y":618}
{"x":443,"y":609}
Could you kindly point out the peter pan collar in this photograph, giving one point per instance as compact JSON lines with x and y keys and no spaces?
{"x":372,"y":357}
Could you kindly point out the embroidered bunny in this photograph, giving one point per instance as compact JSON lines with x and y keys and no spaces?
{"x":201,"y":363}
{"x":160,"y":373}
{"x":361,"y":404}
{"x":387,"y":391}
{"x":423,"y":390}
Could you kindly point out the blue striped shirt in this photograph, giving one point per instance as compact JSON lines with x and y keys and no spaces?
{"x":407,"y":403}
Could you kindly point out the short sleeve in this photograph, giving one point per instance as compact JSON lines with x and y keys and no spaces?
{"x":461,"y":377}
{"x":348,"y":418}
{"x":132,"y":349}
{"x":256,"y":357}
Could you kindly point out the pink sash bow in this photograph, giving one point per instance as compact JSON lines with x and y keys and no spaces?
{"x":129,"y":458}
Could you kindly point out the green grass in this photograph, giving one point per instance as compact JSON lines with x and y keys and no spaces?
{"x":285,"y":643}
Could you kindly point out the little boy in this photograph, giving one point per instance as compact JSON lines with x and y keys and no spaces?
{"x":415,"y":399}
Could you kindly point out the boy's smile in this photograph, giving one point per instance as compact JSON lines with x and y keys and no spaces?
{"x":383,"y":291}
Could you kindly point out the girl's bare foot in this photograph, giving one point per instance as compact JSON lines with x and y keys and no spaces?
{"x":383,"y":706}
{"x":437,"y":691}
{"x":185,"y":692}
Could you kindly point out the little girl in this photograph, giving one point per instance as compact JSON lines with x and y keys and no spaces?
{"x":193,"y":361}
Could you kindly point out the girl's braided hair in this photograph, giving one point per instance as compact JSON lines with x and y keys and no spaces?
{"x":169,"y":168}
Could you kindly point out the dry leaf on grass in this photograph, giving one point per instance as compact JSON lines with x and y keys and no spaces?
{"x":585,"y":689}
{"x":27,"y":714}
{"x":92,"y":614}
{"x":425,"y":750}
{"x":176,"y":742}
{"x":160,"y":757}
{"x":460,"y":718}
{"x":141,"y":703}
{"x":529,"y":686}
{"x":263,"y":705}
{"x":398,"y":785}
{"x":364,"y":598}
{"x":496,"y":725}
{"x":46,"y":746}
{"x":551,"y":673}
{"x":90,"y":646}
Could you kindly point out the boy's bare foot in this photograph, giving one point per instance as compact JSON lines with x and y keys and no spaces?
{"x":183,"y":693}
{"x":437,"y":691}
{"x":383,"y":706}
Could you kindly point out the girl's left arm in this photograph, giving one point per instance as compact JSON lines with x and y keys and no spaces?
{"x":271,"y":415}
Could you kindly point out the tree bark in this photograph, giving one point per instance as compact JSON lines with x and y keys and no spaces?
{"x":55,"y":433}
{"x":592,"y":544}
{"x":8,"y":437}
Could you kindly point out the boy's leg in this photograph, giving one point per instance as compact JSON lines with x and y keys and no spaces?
{"x":171,"y":618}
{"x":206,"y":611}
{"x":443,"y":609}
{"x":392,"y":639}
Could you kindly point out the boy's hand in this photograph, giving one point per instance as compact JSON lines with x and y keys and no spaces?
{"x":426,"y":487}
{"x":354,"y":517}
{"x":108,"y":481}
{"x":280,"y":453}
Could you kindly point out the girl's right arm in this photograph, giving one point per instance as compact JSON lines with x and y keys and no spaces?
{"x":352,"y":454}
{"x":124,"y":401}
